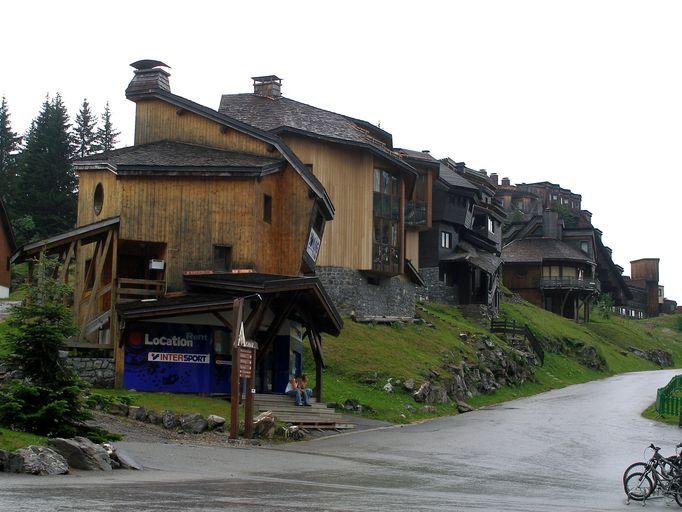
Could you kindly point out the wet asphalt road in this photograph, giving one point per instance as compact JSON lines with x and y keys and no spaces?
{"x":562,"y":450}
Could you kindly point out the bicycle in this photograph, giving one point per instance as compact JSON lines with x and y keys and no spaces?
{"x":660,"y":474}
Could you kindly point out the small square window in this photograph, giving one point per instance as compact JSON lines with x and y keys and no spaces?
{"x":267,"y":208}
{"x":222,"y":258}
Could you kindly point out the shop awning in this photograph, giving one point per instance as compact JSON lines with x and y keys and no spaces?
{"x":174,"y":306}
{"x":311,"y":299}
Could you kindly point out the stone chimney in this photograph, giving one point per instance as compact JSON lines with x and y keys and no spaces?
{"x":269,"y":86}
{"x":506,"y":182}
{"x":493,"y":178}
{"x":460,"y":166}
{"x":148,"y":78}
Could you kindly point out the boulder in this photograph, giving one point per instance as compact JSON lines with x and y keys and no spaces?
{"x":34,"y":460}
{"x":463,"y":407}
{"x":215,"y":422}
{"x":351,"y":405}
{"x":118,"y":409}
{"x":193,"y":423}
{"x":429,"y":409}
{"x":293,"y":432}
{"x":81,"y":453}
{"x":154,"y":417}
{"x":410,"y":408}
{"x":264,"y":425}
{"x":408,"y":385}
{"x":169,"y":420}
{"x":388,"y":387}
{"x":125,"y":460}
{"x":137,"y":413}
{"x":423,"y":391}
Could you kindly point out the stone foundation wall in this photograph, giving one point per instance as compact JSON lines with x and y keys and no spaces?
{"x":435,"y":289}
{"x":353,"y":294}
{"x":98,"y":371}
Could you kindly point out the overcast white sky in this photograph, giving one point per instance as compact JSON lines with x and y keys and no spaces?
{"x":582,"y":93}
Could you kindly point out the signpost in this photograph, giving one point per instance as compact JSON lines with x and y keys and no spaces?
{"x":243,"y":368}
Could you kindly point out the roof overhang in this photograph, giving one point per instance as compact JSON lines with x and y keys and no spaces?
{"x":4,"y":220}
{"x":86,"y":234}
{"x":314,"y":300}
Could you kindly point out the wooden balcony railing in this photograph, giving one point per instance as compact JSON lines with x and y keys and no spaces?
{"x":570,"y":283}
{"x":128,"y":290}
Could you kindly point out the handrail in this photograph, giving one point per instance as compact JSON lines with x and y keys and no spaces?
{"x":507,"y":327}
{"x":666,"y":401}
{"x":570,"y":282}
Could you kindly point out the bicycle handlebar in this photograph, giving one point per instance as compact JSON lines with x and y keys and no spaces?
{"x":655,"y":448}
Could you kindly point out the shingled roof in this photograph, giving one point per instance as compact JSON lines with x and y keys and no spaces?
{"x":284,"y":114}
{"x":168,"y":157}
{"x":535,"y":250}
{"x":455,"y":180}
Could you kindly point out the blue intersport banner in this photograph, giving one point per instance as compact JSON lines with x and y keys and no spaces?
{"x":168,"y":357}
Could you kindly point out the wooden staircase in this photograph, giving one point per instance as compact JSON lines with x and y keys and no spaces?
{"x":285,"y":410}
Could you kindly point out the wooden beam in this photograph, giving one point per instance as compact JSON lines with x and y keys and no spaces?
{"x":255,"y":318}
{"x":277,"y":323}
{"x":101,"y":258}
{"x":237,"y":313}
{"x":64,"y":277}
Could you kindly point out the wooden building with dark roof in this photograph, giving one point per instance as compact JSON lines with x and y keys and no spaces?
{"x":203,"y":213}
{"x":7,"y":247}
{"x":367,"y":253}
{"x":546,"y":269}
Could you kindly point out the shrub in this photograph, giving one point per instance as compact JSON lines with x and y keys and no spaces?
{"x":50,"y":400}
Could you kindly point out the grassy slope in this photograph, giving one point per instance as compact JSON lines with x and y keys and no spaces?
{"x":402,"y":352}
{"x":10,"y":440}
{"x":651,"y":414}
{"x":178,"y":403}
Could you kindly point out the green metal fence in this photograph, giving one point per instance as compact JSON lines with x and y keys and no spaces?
{"x":669,"y":398}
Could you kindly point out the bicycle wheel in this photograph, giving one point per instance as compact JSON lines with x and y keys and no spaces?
{"x":637,"y":467}
{"x":638,"y":486}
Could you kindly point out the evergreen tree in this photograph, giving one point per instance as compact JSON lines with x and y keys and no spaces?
{"x":9,"y":145}
{"x":107,"y":136}
{"x":46,"y":184}
{"x":84,"y":131}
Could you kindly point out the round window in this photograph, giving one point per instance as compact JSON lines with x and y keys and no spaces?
{"x":99,"y":198}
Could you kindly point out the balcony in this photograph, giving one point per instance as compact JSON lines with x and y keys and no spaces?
{"x":415,"y":213}
{"x":570,"y":283}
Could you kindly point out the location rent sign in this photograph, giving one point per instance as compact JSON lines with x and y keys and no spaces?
{"x":168,"y":357}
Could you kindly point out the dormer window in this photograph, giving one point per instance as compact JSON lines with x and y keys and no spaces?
{"x":584,"y":246}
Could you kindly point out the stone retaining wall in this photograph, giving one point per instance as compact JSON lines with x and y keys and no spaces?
{"x":98,"y":371}
{"x":435,"y":289}
{"x":353,"y":294}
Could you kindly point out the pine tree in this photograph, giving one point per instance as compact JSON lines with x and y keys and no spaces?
{"x":84,"y":131}
{"x":107,"y":136}
{"x":9,"y":145}
{"x":46,"y":184}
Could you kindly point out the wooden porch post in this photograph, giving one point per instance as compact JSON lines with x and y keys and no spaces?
{"x":234,"y":384}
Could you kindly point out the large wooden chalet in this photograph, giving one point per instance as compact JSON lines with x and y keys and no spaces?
{"x":202,"y":210}
{"x":7,"y":247}
{"x":381,"y":198}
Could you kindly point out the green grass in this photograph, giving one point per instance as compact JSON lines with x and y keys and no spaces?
{"x":179,"y":403}
{"x":651,"y":414}
{"x":11,"y":440}
{"x":364,"y":356}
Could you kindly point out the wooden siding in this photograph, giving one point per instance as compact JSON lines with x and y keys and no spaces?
{"x":157,"y":120}
{"x":190,"y":216}
{"x":347,"y":175}
{"x":412,"y":247}
{"x":111,"y":206}
{"x":524,"y":280}
{"x":282,"y":241}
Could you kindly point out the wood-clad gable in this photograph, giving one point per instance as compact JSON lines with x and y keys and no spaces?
{"x":157,"y":120}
